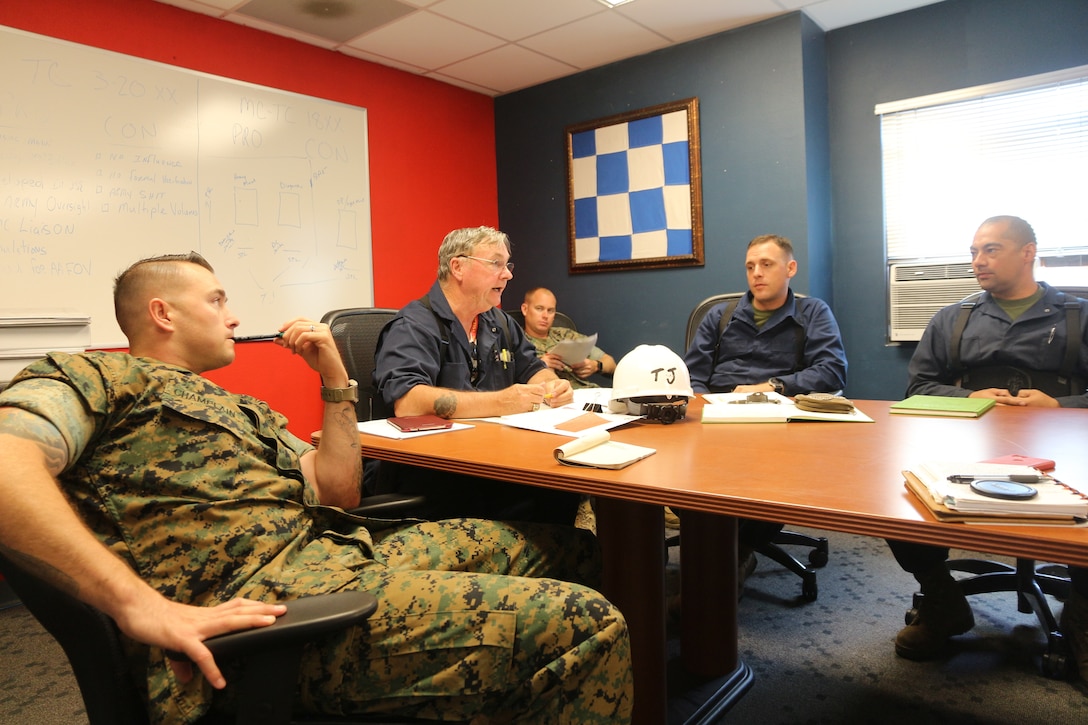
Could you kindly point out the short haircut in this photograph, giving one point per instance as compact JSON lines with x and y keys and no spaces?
{"x":460,"y":243}
{"x":1015,"y":228}
{"x":783,"y":243}
{"x":135,"y":285}
{"x":534,"y":290}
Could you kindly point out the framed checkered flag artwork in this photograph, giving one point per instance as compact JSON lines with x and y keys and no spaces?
{"x":635,"y":190}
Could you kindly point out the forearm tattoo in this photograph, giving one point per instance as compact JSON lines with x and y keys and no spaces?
{"x":34,"y":428}
{"x":346,"y":421}
{"x":445,"y":405}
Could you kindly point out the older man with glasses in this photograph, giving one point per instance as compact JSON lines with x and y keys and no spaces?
{"x":455,"y":354}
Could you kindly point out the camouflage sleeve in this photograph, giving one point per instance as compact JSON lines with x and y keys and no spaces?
{"x":59,"y":404}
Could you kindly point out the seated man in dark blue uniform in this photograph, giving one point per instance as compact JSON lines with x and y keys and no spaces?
{"x":1022,"y":343}
{"x":455,"y":354}
{"x":769,"y":340}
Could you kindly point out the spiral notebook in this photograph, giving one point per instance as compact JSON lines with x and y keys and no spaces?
{"x":1054,"y":500}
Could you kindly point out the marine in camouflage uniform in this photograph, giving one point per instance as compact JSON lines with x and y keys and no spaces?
{"x":202,"y":493}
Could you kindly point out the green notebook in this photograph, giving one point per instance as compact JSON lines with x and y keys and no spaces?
{"x":943,"y":405}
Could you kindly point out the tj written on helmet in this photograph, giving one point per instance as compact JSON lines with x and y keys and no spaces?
{"x":651,"y":381}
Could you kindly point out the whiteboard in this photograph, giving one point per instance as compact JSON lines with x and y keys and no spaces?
{"x":106,"y":159}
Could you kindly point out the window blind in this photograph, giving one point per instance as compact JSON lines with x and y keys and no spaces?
{"x":951,"y":160}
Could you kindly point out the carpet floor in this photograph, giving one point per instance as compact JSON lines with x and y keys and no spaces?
{"x":828,"y":661}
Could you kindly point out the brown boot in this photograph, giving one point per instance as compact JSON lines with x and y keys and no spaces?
{"x":1074,"y":626}
{"x":942,"y":613}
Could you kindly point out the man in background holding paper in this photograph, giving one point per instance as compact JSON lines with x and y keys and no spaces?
{"x":772,"y":341}
{"x":560,"y":347}
{"x":453,"y":353}
{"x":1014,"y":338}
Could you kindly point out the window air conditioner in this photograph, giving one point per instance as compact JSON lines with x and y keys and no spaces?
{"x":917,"y":290}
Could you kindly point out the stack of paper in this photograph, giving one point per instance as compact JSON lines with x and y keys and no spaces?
{"x":733,"y":408}
{"x":1054,"y":499}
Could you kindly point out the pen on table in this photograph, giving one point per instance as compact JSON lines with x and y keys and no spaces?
{"x":259,"y":338}
{"x":1015,"y":478}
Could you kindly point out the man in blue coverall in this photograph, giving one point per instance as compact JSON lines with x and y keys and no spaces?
{"x":774,"y":341}
{"x":455,"y":354}
{"x":1022,"y":343}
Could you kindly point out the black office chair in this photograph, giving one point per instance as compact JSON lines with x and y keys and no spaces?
{"x":818,"y":548}
{"x":262,"y":663}
{"x":356,"y":331}
{"x":1030,"y":582}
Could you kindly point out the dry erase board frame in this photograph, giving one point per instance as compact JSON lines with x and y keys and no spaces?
{"x":106,"y":158}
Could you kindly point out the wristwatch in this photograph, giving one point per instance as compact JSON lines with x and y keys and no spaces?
{"x":600,"y":366}
{"x":339,"y":395}
{"x":777,"y":385}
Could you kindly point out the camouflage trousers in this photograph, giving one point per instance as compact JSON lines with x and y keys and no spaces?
{"x":480,"y":621}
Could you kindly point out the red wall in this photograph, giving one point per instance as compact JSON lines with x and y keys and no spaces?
{"x":432,"y":149}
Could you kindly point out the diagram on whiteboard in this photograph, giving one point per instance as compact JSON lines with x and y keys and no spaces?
{"x":105,"y":159}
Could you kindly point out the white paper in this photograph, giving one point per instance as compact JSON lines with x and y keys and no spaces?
{"x":1052,"y":499}
{"x":719,"y":398}
{"x":546,"y":419}
{"x":574,"y":351}
{"x":719,"y":409}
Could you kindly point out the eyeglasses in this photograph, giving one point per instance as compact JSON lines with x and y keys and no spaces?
{"x":496,"y":265}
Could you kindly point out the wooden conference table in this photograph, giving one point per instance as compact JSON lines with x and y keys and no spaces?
{"x":836,"y":476}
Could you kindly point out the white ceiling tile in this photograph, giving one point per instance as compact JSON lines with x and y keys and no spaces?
{"x":683,"y":20}
{"x":336,"y":20}
{"x":268,"y":27}
{"x":463,"y":84}
{"x":382,"y":60}
{"x":517,"y":19}
{"x":831,"y":14}
{"x":595,"y":41}
{"x":496,"y":46}
{"x":508,"y":68}
{"x":426,"y":40}
{"x":215,"y":8}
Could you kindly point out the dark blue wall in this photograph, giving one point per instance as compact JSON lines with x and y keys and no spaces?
{"x":790,"y":145}
{"x":942,"y":47}
{"x":752,"y":105}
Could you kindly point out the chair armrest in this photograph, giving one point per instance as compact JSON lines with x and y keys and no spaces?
{"x":306,"y":619}
{"x":389,"y":505}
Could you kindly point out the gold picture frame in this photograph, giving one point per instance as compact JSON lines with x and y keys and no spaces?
{"x":634,"y":190}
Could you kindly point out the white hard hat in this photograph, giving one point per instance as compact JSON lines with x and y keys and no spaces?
{"x":649,"y":378}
